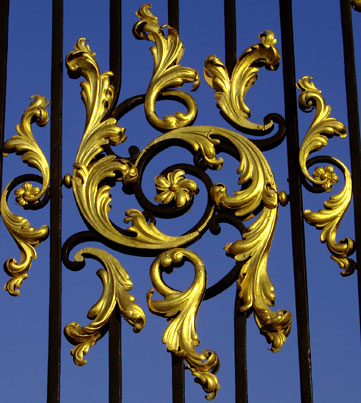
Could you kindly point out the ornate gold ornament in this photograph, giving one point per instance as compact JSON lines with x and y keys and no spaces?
{"x":26,"y":237}
{"x":167,"y":53}
{"x":181,"y":308}
{"x":116,"y":283}
{"x":323,"y":127}
{"x":256,"y":199}
{"x":231,"y":92}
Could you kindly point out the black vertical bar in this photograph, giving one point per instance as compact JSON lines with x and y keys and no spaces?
{"x":4,"y":25}
{"x":173,"y":14}
{"x":353,"y":127}
{"x":115,"y":45}
{"x":240,"y":318}
{"x":55,"y":203}
{"x":230,"y":33}
{"x":115,"y":357}
{"x":178,"y":381}
{"x":115,"y":325}
{"x":240,"y":352}
{"x":178,"y":387}
{"x":296,"y":207}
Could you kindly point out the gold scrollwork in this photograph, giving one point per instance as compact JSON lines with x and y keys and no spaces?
{"x":255,"y":287}
{"x":93,"y":199}
{"x":167,"y":73}
{"x":231,"y":92}
{"x":116,"y":283}
{"x":26,"y":237}
{"x":181,"y":309}
{"x":328,"y":219}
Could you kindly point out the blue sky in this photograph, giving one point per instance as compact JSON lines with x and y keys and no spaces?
{"x":333,"y":299}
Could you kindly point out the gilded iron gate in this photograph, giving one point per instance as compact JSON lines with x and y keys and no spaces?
{"x":244,"y":169}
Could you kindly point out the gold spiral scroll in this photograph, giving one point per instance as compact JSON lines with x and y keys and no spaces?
{"x":116,"y":283}
{"x":181,"y":309}
{"x":26,"y":237}
{"x":322,"y":127}
{"x":167,"y":73}
{"x":260,"y":190}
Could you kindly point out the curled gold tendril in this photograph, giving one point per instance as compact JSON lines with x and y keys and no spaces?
{"x":167,"y":73}
{"x":181,"y":308}
{"x":322,"y":127}
{"x":231,"y":92}
{"x":116,"y":283}
{"x":26,"y":237}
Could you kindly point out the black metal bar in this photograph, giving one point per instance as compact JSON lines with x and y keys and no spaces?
{"x":178,"y":381}
{"x":240,"y":318}
{"x":115,"y":357}
{"x":115,"y":45}
{"x":55,"y":203}
{"x":173,"y":14}
{"x":296,"y":207}
{"x":4,"y":25}
{"x":240,"y":352}
{"x":230,"y":34}
{"x":115,"y":325}
{"x":353,"y":127}
{"x":178,"y":386}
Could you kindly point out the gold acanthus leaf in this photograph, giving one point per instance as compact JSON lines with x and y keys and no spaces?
{"x":116,"y":284}
{"x":167,"y":73}
{"x":231,"y":92}
{"x":181,"y":309}
{"x":26,"y":237}
{"x":322,"y":127}
{"x":255,"y":288}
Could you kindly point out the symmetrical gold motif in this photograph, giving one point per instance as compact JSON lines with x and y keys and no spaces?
{"x":231,"y":92}
{"x":116,"y":283}
{"x":174,"y":187}
{"x":167,"y":53}
{"x":328,"y":219}
{"x":181,"y":308}
{"x":26,"y":237}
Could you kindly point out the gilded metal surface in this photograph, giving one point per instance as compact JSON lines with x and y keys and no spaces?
{"x":175,"y":187}
{"x":322,"y":127}
{"x":356,"y":4}
{"x":26,"y":237}
{"x":167,"y":53}
{"x":181,"y":308}
{"x":231,"y":92}
{"x":116,"y":283}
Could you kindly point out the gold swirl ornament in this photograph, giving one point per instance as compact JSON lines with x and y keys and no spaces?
{"x":256,"y":289}
{"x":181,"y":309}
{"x":26,"y":236}
{"x":328,"y":219}
{"x":231,"y":92}
{"x":167,"y":73}
{"x":116,"y":283}
{"x":92,"y":196}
